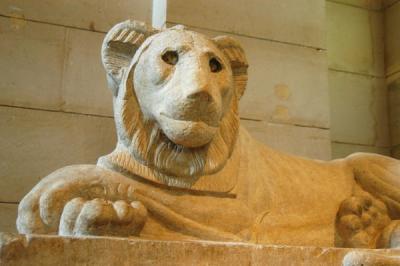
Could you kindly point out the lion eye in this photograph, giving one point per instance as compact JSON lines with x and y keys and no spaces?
{"x":215,"y":65}
{"x":170,"y":57}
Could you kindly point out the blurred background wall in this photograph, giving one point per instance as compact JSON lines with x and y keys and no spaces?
{"x":323,"y":78}
{"x":358,"y":95}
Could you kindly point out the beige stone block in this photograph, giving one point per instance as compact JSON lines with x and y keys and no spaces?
{"x":31,"y":63}
{"x":8,"y":217}
{"x":300,"y":22}
{"x":303,"y":141}
{"x":341,"y":150}
{"x":54,"y":250}
{"x":367,"y":4}
{"x":396,"y":152}
{"x":98,"y":15}
{"x":35,"y":143}
{"x":358,"y":109}
{"x":286,"y":84}
{"x":388,"y":3}
{"x":394,"y":99}
{"x":392,"y":39}
{"x":85,"y":85}
{"x":355,"y":39}
{"x":53,"y":68}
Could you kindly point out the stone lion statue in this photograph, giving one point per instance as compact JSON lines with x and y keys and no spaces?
{"x":184,"y":168}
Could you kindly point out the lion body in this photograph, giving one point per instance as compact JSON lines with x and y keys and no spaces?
{"x":183,"y":168}
{"x":276,"y":199}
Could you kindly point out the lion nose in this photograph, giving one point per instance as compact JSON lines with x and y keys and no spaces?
{"x":200,"y":90}
{"x":201,"y":105}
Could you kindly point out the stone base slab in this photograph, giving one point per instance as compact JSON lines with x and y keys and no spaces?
{"x":54,"y":250}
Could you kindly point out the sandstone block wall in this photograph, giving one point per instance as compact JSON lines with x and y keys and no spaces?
{"x":358,"y":94}
{"x":392,"y":64}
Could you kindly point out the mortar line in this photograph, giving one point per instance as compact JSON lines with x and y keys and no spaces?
{"x":251,"y":119}
{"x":355,"y":6}
{"x":51,"y":23}
{"x":105,"y":116}
{"x":317,"y":127}
{"x":393,"y":73}
{"x":54,"y":111}
{"x":356,"y":73}
{"x":252,"y":37}
{"x":359,"y":144}
{"x":392,"y":4}
{"x":9,"y":202}
{"x":282,"y":124}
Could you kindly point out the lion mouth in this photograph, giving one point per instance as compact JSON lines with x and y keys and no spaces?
{"x":187,"y":133}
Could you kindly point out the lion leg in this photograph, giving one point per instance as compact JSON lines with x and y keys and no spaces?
{"x":82,"y":200}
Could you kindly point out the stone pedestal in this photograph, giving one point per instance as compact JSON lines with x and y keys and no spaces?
{"x":54,"y":250}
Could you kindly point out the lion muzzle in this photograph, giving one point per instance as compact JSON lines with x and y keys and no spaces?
{"x":190,"y":134}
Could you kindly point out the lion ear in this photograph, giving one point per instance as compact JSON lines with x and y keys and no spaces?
{"x":119,"y":47}
{"x":235,"y":53}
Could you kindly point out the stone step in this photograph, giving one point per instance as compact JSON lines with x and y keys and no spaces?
{"x":54,"y":250}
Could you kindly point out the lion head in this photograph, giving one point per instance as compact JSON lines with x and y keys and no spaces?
{"x":176,"y":95}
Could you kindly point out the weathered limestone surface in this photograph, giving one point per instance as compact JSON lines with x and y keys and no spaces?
{"x":394,"y":100}
{"x":392,"y":39}
{"x":396,"y":151}
{"x":388,"y":3}
{"x":44,"y":141}
{"x":84,"y":87}
{"x":366,"y":4}
{"x":300,"y":23}
{"x":392,"y":58}
{"x":360,"y":109}
{"x":316,"y":142}
{"x":355,"y":39}
{"x":8,"y":214}
{"x":29,"y":48}
{"x":74,"y":79}
{"x":87,"y":14}
{"x":53,"y":250}
{"x":358,"y":94}
{"x":297,"y":78}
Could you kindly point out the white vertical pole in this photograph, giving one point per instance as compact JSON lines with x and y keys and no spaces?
{"x":159,"y":14}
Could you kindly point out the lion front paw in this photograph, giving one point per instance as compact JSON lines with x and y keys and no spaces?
{"x":360,"y":221}
{"x":102,"y":217}
{"x":82,"y":200}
